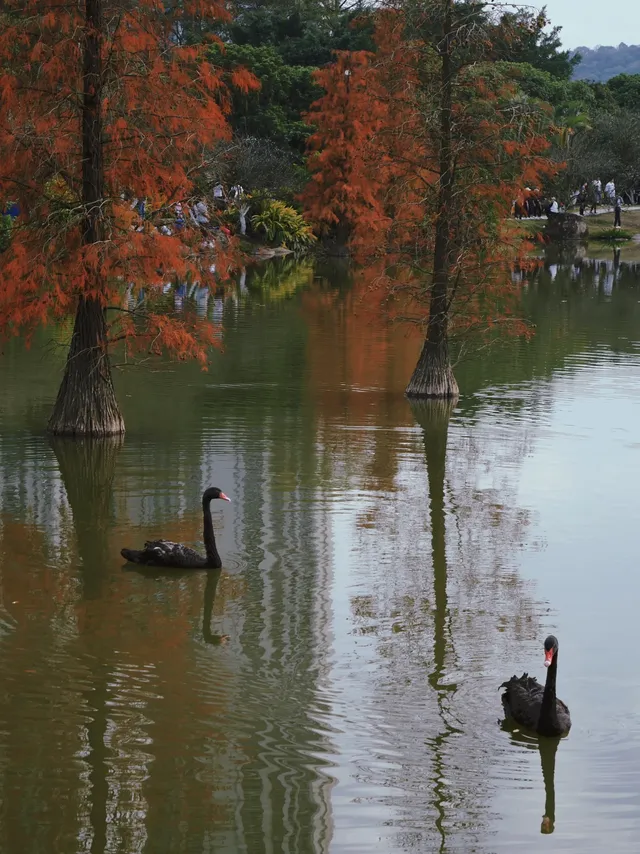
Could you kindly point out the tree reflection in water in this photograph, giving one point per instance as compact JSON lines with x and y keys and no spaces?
{"x":433,"y":416}
{"x":121,"y":707}
{"x":87,"y":468}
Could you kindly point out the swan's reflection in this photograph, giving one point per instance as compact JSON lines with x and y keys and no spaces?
{"x":213,"y":577}
{"x":211,"y":586}
{"x":547,"y":747}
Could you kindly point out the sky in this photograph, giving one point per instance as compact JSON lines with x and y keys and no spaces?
{"x":592,"y":22}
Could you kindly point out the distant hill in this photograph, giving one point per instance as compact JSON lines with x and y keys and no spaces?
{"x":601,"y":63}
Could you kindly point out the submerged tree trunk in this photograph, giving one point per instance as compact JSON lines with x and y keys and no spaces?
{"x":337,"y":243}
{"x":433,"y":375}
{"x":86,"y":404}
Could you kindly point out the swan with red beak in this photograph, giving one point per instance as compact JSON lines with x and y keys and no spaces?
{"x":534,"y":706}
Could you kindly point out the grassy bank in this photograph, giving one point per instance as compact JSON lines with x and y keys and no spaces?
{"x":600,"y":231}
{"x":601,"y":224}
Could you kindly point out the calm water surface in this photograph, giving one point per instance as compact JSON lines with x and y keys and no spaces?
{"x":385,"y":569}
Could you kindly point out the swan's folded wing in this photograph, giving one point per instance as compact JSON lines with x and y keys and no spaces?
{"x":522,"y":700}
{"x":188,"y":557}
{"x":564,"y":717}
{"x":169,"y":554}
{"x":529,"y":683}
{"x":163,"y":545}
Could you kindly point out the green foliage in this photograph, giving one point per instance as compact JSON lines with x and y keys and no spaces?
{"x":531,"y":44}
{"x":286,"y":91}
{"x":304,"y":33}
{"x":613,"y":235}
{"x":598,"y":126}
{"x":5,"y":231}
{"x":625,"y":91}
{"x":611,"y":149}
{"x":283,"y":225}
{"x":568,"y":98}
{"x":282,"y":41}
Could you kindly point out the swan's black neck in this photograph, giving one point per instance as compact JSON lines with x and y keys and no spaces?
{"x":213,"y":558}
{"x":548,"y":711}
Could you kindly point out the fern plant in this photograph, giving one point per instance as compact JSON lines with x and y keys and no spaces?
{"x":283,"y":225}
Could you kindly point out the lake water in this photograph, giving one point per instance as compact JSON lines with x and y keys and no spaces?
{"x":336,"y":687}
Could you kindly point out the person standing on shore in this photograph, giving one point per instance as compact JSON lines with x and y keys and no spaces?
{"x":219,"y":197}
{"x":597,"y":190}
{"x":610,"y":191}
{"x":583,"y":197}
{"x":617,"y":212}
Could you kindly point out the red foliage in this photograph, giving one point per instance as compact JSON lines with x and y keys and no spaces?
{"x":164,"y":106}
{"x":347,"y":186}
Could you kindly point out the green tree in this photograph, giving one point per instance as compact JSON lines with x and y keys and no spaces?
{"x":610,"y":150}
{"x":286,"y":91}
{"x":625,"y":91}
{"x":303,"y":33}
{"x":533,"y":44}
{"x":567,"y":97}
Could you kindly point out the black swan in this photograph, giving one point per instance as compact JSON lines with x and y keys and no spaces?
{"x":166,"y":553}
{"x":533,"y":706}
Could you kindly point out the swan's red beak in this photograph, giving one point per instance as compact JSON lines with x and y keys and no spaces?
{"x":224,"y":497}
{"x":548,"y":657}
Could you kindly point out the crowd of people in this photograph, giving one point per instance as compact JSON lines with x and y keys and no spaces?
{"x":194,"y":212}
{"x":590,"y":195}
{"x":177,"y":216}
{"x":529,"y":203}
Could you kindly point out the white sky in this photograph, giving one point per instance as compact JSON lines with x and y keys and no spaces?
{"x":593,"y":22}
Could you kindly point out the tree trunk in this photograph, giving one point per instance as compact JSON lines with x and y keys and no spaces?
{"x":337,"y":243}
{"x":433,"y":375}
{"x":86,"y":404}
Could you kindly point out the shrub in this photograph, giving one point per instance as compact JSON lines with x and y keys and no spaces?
{"x":283,"y":225}
{"x":611,"y":235}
